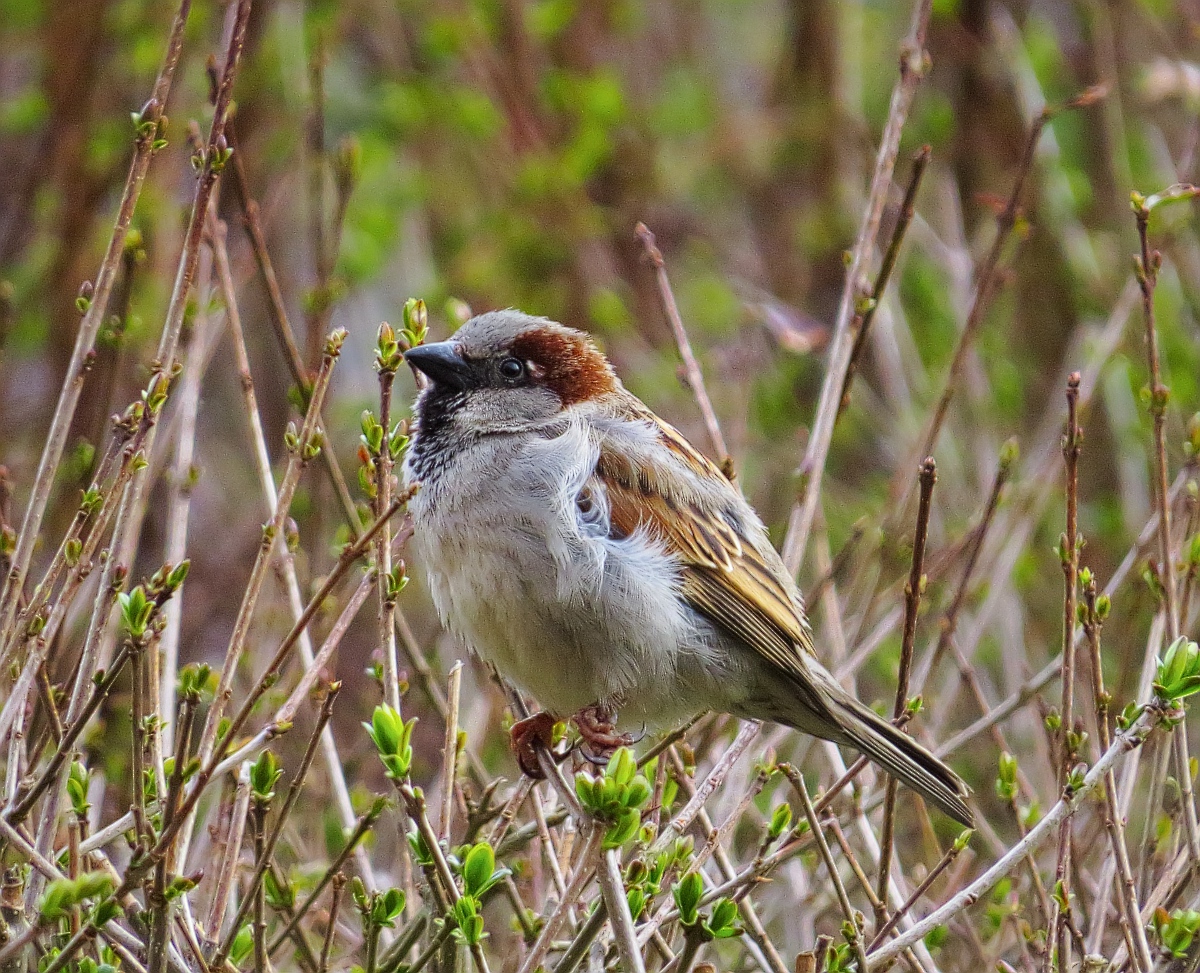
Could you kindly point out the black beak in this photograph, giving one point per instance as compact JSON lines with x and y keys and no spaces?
{"x":442,"y":363}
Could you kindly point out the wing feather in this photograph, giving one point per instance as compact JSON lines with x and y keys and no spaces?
{"x":726,"y":576}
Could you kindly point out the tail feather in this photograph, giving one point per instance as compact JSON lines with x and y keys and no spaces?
{"x":902,"y":757}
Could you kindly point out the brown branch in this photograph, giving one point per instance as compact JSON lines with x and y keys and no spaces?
{"x":1069,"y":558}
{"x":912,"y":604}
{"x":865,"y":313}
{"x":914,"y":62}
{"x":691,"y":368}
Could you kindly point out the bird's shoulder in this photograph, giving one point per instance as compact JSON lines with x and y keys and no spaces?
{"x":655,"y":481}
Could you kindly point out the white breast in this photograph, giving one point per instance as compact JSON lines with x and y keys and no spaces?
{"x":535,"y":585}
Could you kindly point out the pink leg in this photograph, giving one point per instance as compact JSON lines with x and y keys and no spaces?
{"x":525,"y":735}
{"x":598,"y":732}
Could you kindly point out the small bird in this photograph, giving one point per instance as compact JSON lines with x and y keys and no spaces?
{"x":580,"y":544}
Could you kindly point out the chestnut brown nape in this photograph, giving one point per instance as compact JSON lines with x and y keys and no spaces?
{"x":571,"y":366}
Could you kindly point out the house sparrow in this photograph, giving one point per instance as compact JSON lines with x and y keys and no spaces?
{"x":584,"y":547}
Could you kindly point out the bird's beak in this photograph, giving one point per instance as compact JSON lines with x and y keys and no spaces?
{"x":442,"y":363}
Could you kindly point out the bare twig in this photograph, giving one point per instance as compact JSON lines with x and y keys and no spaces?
{"x":148,"y":136}
{"x":914,"y":62}
{"x":853,"y":931}
{"x":615,"y":899}
{"x":333,"y":761}
{"x":691,"y":368}
{"x":912,"y":604}
{"x":450,"y":752}
{"x":864,"y":315}
{"x":1066,"y":805}
{"x":265,"y":844}
{"x":1146,"y":269}
{"x":1113,"y":820}
{"x":1069,"y":557}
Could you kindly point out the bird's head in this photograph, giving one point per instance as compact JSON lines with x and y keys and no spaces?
{"x":505,"y":371}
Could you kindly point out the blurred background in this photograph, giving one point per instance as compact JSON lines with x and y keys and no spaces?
{"x":492,"y":153}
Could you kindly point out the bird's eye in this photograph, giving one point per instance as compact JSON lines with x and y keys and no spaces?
{"x":512,"y":368}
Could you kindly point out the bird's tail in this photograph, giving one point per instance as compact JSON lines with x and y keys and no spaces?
{"x":902,"y":757}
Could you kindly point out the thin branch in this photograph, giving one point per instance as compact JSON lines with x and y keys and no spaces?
{"x":618,"y":910}
{"x":912,"y":605}
{"x":691,"y":367}
{"x":1146,"y":269}
{"x":265,"y":844}
{"x":1066,"y":805}
{"x":1114,"y":822}
{"x":1069,"y":557}
{"x":583,"y":873}
{"x":333,"y":761}
{"x":64,"y":412}
{"x":450,"y":751}
{"x":914,"y":62}
{"x":852,"y":930}
{"x":863,"y":316}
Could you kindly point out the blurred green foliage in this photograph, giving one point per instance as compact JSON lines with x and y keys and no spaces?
{"x":504,"y":152}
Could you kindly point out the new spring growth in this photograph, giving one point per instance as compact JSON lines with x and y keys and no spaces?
{"x":136,"y":610}
{"x":149,"y":125}
{"x":371,"y":446}
{"x":280,"y":897}
{"x":77,"y":789}
{"x":243,"y":942}
{"x":195,"y":681}
{"x":309,"y":449}
{"x":781,"y":820}
{"x":84,"y":299}
{"x":1006,"y":781}
{"x":347,"y":165}
{"x":1143,"y":206}
{"x":721,"y":923}
{"x":616,"y":797}
{"x":379,"y":909}
{"x":1088,"y":618}
{"x":416,"y":322}
{"x":139,"y":606}
{"x":64,"y":894}
{"x":388,"y":355}
{"x":397,"y":580}
{"x":476,"y":864}
{"x":333,"y":344}
{"x":1191,"y":445}
{"x":643,"y":883}
{"x":1176,"y":930}
{"x":155,"y":394}
{"x":264,"y":775}
{"x":216,"y":160}
{"x":1178,"y":672}
{"x":392,"y":737}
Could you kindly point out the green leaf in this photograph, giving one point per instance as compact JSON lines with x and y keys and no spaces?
{"x":781,"y":819}
{"x":392,"y":738}
{"x":621,"y":766}
{"x":243,"y":942}
{"x":625,"y":827}
{"x":687,"y":893}
{"x":64,"y":894}
{"x":264,"y":774}
{"x":478,"y":867}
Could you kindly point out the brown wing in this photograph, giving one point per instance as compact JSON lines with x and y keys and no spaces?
{"x":725,"y":577}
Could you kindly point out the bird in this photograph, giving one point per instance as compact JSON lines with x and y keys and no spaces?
{"x":603,"y":564}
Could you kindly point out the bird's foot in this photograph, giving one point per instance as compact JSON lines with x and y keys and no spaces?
{"x":526,"y":735}
{"x":598,"y":733}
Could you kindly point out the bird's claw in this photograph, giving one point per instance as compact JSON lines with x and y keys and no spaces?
{"x":525,"y":735}
{"x":598,"y":734}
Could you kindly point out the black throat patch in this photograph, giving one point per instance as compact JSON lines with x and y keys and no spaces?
{"x":433,"y":443}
